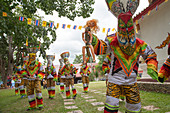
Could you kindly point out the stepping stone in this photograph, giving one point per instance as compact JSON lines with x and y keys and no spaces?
{"x":97,"y":92}
{"x":91,"y":100}
{"x":100,"y":108}
{"x":68,"y":99}
{"x":76,"y":111}
{"x":71,"y":107}
{"x":88,"y":97}
{"x":93,"y":90}
{"x":97,"y":103}
{"x":150,"y":107}
{"x":79,"y":87}
{"x":68,"y":103}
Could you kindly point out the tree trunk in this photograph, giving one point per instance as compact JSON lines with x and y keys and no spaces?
{"x":10,"y":57}
{"x":2,"y":70}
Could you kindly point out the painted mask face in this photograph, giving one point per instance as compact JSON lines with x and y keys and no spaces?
{"x":49,"y":64}
{"x":124,"y":10}
{"x":25,"y":59}
{"x":126,"y":33}
{"x":32,"y":57}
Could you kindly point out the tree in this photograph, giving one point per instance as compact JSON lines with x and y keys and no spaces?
{"x":13,"y":33}
{"x":79,"y":59}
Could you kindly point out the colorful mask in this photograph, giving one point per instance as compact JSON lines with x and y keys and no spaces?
{"x":32,"y":57}
{"x":25,"y":59}
{"x":65,"y":56}
{"x":124,"y":10}
{"x":50,"y":59}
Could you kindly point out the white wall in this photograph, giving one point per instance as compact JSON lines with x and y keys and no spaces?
{"x":154,"y":29}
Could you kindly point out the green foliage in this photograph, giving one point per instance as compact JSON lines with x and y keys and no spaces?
{"x":78,"y":59}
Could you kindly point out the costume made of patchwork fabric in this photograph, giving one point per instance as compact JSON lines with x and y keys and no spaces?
{"x":16,"y":76}
{"x":85,"y":71}
{"x":125,"y":48}
{"x":164,"y":72}
{"x":68,"y":71}
{"x":24,"y":80}
{"x":51,"y":76}
{"x":61,"y":77}
{"x":34,"y":72}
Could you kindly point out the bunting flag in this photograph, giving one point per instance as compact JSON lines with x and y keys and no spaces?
{"x":108,"y":30}
{"x":75,"y":27}
{"x":44,"y":23}
{"x":113,"y":29}
{"x":37,"y":22}
{"x":51,"y":24}
{"x":4,"y":14}
{"x":136,"y":31}
{"x":136,"y":22}
{"x":64,"y":25}
{"x":27,"y":42}
{"x":80,"y":27}
{"x":21,"y":18}
{"x":68,"y":26}
{"x":149,"y":12}
{"x":103,"y":30}
{"x":156,"y":7}
{"x":142,"y":17}
{"x":57,"y":26}
{"x":29,"y":21}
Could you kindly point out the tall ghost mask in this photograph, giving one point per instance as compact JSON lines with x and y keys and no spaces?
{"x":124,"y":10}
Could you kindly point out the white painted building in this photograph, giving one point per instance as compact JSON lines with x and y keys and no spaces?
{"x":154,"y":26}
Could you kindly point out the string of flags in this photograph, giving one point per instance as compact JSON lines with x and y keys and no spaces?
{"x":137,"y":24}
{"x":51,"y":24}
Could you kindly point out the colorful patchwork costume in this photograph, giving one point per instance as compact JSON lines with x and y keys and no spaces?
{"x":23,"y":79}
{"x":85,"y":71}
{"x":62,"y":77}
{"x":69,"y":70}
{"x":51,"y":76}
{"x":164,"y":72}
{"x":34,"y":72}
{"x":125,"y":48}
{"x":16,"y":77}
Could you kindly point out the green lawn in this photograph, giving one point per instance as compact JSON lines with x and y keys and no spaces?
{"x":9,"y":103}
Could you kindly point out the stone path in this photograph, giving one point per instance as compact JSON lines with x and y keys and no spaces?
{"x":76,"y":111}
{"x":70,"y":104}
{"x":91,"y":100}
{"x":97,"y":103}
{"x":150,"y":108}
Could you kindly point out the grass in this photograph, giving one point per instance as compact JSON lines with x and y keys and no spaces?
{"x":9,"y":103}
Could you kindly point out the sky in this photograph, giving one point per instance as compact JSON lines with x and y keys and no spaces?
{"x":71,"y":40}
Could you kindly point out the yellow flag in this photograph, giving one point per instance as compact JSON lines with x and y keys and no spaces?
{"x":80,"y":27}
{"x":68,"y":26}
{"x":149,"y":12}
{"x":4,"y":14}
{"x":27,"y":42}
{"x":136,"y":31}
{"x":57,"y":25}
{"x":113,"y":29}
{"x":103,"y":30}
{"x":44,"y":23}
{"x":29,"y":21}
{"x":136,"y":22}
{"x":166,"y":0}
